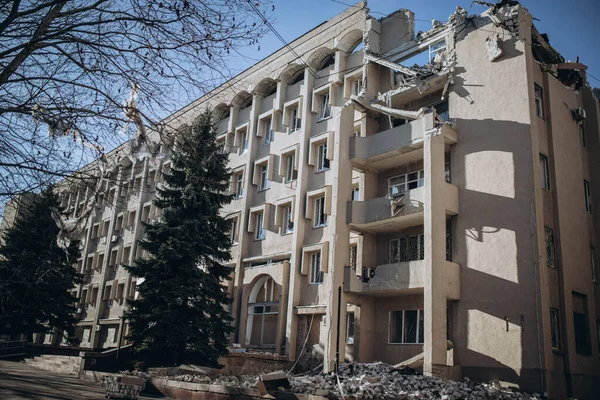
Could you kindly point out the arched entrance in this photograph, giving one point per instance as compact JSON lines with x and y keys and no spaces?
{"x":263,"y":314}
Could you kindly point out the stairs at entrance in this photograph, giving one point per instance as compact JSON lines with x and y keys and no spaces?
{"x":60,"y":364}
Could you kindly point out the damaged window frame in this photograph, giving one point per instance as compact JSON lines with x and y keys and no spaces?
{"x":393,"y":337}
{"x":539,"y":100}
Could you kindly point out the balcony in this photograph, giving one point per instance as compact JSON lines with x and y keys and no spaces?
{"x":377,"y":215}
{"x":402,"y":278}
{"x":396,"y":146}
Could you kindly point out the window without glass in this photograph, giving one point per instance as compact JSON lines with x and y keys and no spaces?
{"x":555,"y":328}
{"x":295,"y":122}
{"x":402,"y":183}
{"x":324,"y":107}
{"x":435,"y":48}
{"x":582,"y":137}
{"x":406,"y":326}
{"x":264,"y":181}
{"x":260,"y":233}
{"x":580,"y":318}
{"x":350,"y":328}
{"x":544,"y":176}
{"x":290,"y":169}
{"x":594,"y":264}
{"x":407,"y":248}
{"x":322,"y":161}
{"x":588,"y":196}
{"x":539,"y":101}
{"x":355,"y":193}
{"x":320,"y":218}
{"x":357,"y":86}
{"x":287,"y":224}
{"x":316,"y":275}
{"x":550,"y":248}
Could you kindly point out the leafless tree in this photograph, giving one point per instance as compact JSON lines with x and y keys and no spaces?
{"x":67,"y":69}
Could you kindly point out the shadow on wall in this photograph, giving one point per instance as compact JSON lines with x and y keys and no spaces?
{"x":495,"y":321}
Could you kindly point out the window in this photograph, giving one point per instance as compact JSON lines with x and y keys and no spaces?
{"x":233,"y":232}
{"x":320,"y":218}
{"x":539,"y":101}
{"x":264,"y":181}
{"x":406,"y":326}
{"x":407,"y":248}
{"x":447,"y":173}
{"x":435,"y":48}
{"x":588,"y":196}
{"x":316,"y":275}
{"x":402,"y":183}
{"x":322,"y":161}
{"x":580,"y":321}
{"x":290,"y":170}
{"x":269,"y":134}
{"x":582,"y":137}
{"x":594,"y":264}
{"x":550,"y":248}
{"x":324,"y":107}
{"x":544,"y":177}
{"x":295,"y":122}
{"x":287,"y":224}
{"x":555,"y":328}
{"x":243,"y":142}
{"x":350,"y":328}
{"x":260,"y":233}
{"x":238,"y":180}
{"x":355,"y":196}
{"x":357,"y":86}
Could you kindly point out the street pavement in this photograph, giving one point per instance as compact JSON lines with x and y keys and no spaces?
{"x":21,"y":381}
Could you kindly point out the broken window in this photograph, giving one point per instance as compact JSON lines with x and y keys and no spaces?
{"x":268,"y":132}
{"x":291,"y":173}
{"x":436,"y":48}
{"x":550,"y":248}
{"x":288,"y":225}
{"x":406,"y":326}
{"x":238,"y":179}
{"x":320,"y":218}
{"x":588,"y":196}
{"x":260,"y":232}
{"x":539,"y":101}
{"x":555,"y":328}
{"x":265,"y":183}
{"x":233,"y":231}
{"x":324,"y":107}
{"x":355,"y":195}
{"x":357,"y":86}
{"x":295,"y":122}
{"x":316,"y":275}
{"x":322,"y":160}
{"x":544,"y":176}
{"x":594,"y":264}
{"x":350,"y":328}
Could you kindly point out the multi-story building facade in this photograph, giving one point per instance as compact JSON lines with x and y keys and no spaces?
{"x":394,"y":208}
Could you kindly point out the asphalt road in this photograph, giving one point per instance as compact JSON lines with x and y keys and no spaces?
{"x":20,"y":381}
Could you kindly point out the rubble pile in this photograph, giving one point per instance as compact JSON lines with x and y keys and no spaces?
{"x":382,"y":381}
{"x":245,"y":381}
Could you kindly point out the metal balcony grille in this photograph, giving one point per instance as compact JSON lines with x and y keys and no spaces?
{"x":448,"y":241}
{"x":353,"y":257}
{"x":407,"y":248}
{"x":550,"y":249}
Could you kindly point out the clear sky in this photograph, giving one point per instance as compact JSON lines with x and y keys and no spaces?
{"x":573,"y":26}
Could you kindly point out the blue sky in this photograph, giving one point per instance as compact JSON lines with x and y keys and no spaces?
{"x":573,"y":26}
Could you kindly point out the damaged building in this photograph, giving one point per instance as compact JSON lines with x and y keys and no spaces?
{"x":395,"y":191}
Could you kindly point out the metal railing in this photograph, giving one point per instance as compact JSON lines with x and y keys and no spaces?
{"x":12,"y":348}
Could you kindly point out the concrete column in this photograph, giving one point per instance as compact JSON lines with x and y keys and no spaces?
{"x":434,"y":297}
{"x":340,"y":240}
{"x":364,"y":323}
{"x":300,"y":221}
{"x":282,"y":317}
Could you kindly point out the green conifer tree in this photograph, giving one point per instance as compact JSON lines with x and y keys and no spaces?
{"x":180,"y":315}
{"x":36,"y":275}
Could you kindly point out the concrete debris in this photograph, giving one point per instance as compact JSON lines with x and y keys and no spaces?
{"x":383,"y":381}
{"x":363,"y":103}
{"x":492,"y":44}
{"x":123,"y":387}
{"x":273,"y":382}
{"x":245,"y":381}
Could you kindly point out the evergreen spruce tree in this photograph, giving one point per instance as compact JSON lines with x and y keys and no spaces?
{"x":36,"y":275}
{"x":180,"y":316}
